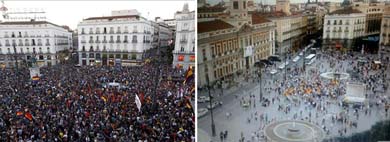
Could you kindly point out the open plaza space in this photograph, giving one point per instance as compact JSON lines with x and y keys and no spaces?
{"x":299,"y":92}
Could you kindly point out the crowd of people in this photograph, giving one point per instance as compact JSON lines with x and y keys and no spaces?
{"x":71,"y":103}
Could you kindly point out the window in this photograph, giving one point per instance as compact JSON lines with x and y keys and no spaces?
{"x":48,"y":49}
{"x":104,"y":30}
{"x":244,"y":4}
{"x":182,"y":49}
{"x":235,"y":5}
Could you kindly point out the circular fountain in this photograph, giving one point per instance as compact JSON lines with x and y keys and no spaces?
{"x":293,"y":131}
{"x":335,"y":75}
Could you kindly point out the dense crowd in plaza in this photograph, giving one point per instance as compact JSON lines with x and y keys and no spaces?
{"x":70,"y":103}
{"x":304,"y":90}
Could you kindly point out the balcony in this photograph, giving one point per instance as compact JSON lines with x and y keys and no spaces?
{"x":134,"y":41}
{"x":183,"y":41}
{"x":111,"y":32}
{"x":19,"y":35}
{"x":83,"y":41}
{"x":118,"y":32}
{"x":25,"y":35}
{"x":47,"y":44}
{"x":346,"y":31}
{"x":6,"y":36}
{"x":82,"y":33}
{"x":148,"y":32}
{"x":90,"y":32}
{"x":97,"y":41}
{"x":327,"y":31}
{"x":39,"y":44}
{"x":26,"y":44}
{"x":126,"y":32}
{"x":118,"y":41}
{"x":104,"y":41}
{"x":111,"y":41}
{"x":39,"y":36}
{"x":90,"y":41}
{"x":97,"y":32}
{"x":135,"y":31}
{"x":20,"y":44}
{"x":125,"y":41}
{"x":47,"y":36}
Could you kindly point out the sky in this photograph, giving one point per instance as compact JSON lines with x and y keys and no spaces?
{"x":70,"y":13}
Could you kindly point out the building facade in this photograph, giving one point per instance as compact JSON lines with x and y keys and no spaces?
{"x":184,"y":52}
{"x":227,"y":47}
{"x":25,"y":40}
{"x":114,"y":40}
{"x":374,"y":13}
{"x":343,"y":26}
{"x":384,"y":43}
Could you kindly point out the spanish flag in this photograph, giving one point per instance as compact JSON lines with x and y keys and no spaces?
{"x":19,"y":113}
{"x":188,"y":105}
{"x":189,"y":75}
{"x":28,"y":116}
{"x":104,"y":98}
{"x":35,"y":78}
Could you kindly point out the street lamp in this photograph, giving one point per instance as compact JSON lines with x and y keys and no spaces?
{"x":211,"y":108}
{"x":260,"y":65}
{"x":16,"y":58}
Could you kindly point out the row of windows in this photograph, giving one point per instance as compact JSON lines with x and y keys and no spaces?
{"x":118,"y":38}
{"x":19,"y":34}
{"x":346,"y":22}
{"x":21,"y":50}
{"x":104,"y":30}
{"x":224,"y":46}
{"x":33,"y":42}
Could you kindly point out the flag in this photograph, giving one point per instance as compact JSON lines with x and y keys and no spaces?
{"x":188,"y":105}
{"x":192,"y":89}
{"x":138,"y":102}
{"x":28,"y":116}
{"x":141,"y":97}
{"x":189,"y":75}
{"x":104,"y":98}
{"x":19,"y":113}
{"x":35,"y":78}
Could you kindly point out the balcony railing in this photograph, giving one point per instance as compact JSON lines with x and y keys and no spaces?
{"x":82,"y":32}
{"x":134,"y":41}
{"x":97,"y":32}
{"x":118,"y":32}
{"x":25,"y":35}
{"x":46,"y":35}
{"x":125,"y":41}
{"x":27,"y":44}
{"x":20,"y":44}
{"x":183,"y":41}
{"x":118,"y":41}
{"x":83,"y":41}
{"x":6,"y":36}
{"x":90,"y":32}
{"x":111,"y":41}
{"x":111,"y":32}
{"x":47,"y":44}
{"x":126,"y":32}
{"x":97,"y":41}
{"x":104,"y":41}
{"x":135,"y":31}
{"x":39,"y":44}
{"x":90,"y":41}
{"x":19,"y":35}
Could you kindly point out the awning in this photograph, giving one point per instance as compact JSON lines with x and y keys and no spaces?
{"x":377,"y":62}
{"x":350,"y":99}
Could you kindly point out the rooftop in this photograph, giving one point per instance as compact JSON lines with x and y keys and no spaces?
{"x":215,"y":8}
{"x":112,"y":17}
{"x":30,"y":23}
{"x":348,"y":10}
{"x":214,"y":25}
{"x":257,"y":18}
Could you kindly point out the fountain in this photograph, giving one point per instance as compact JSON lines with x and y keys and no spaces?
{"x":293,"y":131}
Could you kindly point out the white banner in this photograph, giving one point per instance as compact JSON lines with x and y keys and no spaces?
{"x":34,"y":72}
{"x":138,"y":102}
{"x":248,"y":51}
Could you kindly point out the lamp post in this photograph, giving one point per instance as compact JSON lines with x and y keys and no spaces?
{"x":260,"y":65}
{"x":16,"y":58}
{"x":211,"y":109}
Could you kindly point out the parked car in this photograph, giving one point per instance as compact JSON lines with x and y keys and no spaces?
{"x":202,"y":99}
{"x":214,"y":104}
{"x":202,"y":112}
{"x":296,"y":59}
{"x":273,"y":71}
